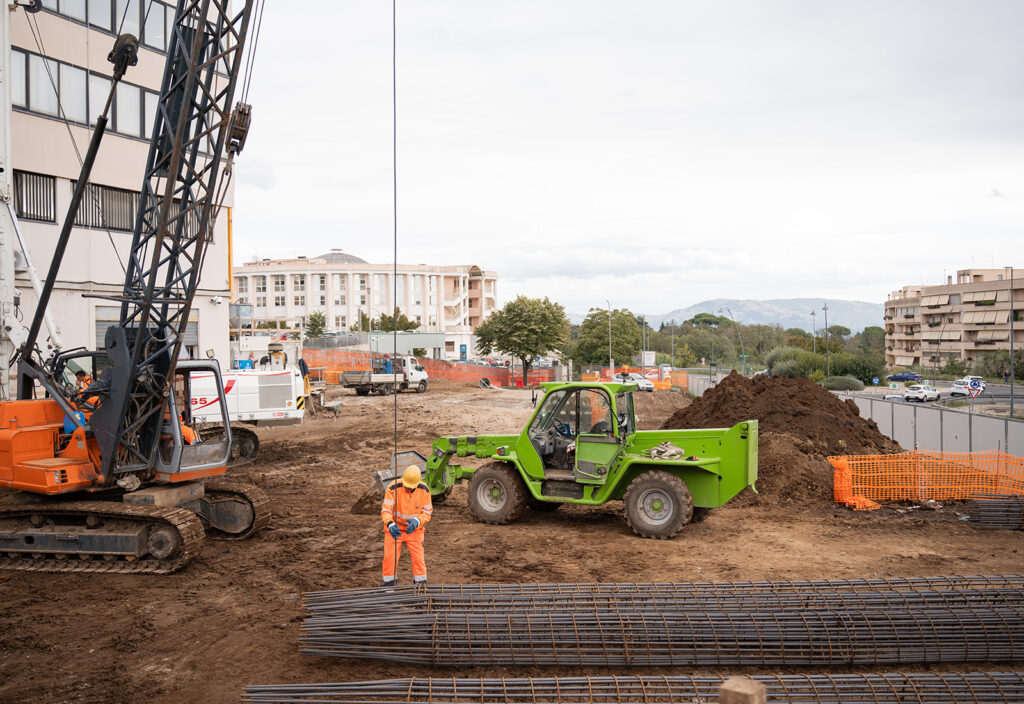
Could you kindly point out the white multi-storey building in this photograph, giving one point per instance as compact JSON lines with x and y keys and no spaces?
{"x":448,"y":299}
{"x":58,"y":81}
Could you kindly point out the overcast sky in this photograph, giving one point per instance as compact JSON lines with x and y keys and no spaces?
{"x":651,"y":153}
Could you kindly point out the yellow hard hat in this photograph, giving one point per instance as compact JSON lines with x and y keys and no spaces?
{"x":411,"y":477}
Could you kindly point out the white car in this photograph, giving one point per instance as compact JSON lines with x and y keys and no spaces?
{"x":921,"y":392}
{"x":959,"y":388}
{"x":968,"y":379}
{"x":642,"y":382}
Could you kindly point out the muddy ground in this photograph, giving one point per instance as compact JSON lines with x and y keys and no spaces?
{"x":232,"y":617}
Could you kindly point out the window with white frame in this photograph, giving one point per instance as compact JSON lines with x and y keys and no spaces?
{"x":241,"y":284}
{"x":279,"y":283}
{"x":259,"y":284}
{"x":298,"y":282}
{"x":280,"y":301}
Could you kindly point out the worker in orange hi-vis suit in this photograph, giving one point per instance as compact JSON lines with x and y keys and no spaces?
{"x":405,"y":511}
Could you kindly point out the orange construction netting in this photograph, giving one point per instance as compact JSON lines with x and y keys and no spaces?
{"x":862,"y":481}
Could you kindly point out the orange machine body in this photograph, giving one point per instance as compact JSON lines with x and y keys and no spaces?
{"x":30,"y":433}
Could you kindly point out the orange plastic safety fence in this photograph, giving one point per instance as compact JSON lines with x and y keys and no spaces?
{"x":862,"y":481}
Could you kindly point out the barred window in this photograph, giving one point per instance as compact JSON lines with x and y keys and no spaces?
{"x":35,"y":196}
{"x":108,"y":208}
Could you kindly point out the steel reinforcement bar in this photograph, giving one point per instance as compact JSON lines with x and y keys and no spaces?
{"x":994,"y":512}
{"x":413,"y":600}
{"x":888,"y":688}
{"x":690,"y":588}
{"x":822,"y":637}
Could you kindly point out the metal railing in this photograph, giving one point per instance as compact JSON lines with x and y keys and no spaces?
{"x":934,"y":428}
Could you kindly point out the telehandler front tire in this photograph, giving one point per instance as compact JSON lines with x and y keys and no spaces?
{"x":496,"y":494}
{"x":658,"y":505}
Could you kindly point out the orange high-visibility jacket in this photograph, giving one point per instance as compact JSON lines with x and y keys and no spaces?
{"x":401,"y":506}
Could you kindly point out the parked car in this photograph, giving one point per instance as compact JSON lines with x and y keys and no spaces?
{"x":642,"y":382}
{"x":904,"y":376}
{"x":959,"y":388}
{"x":892,"y":397}
{"x":921,"y":392}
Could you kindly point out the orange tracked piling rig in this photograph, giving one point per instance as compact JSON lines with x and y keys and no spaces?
{"x":112,"y":476}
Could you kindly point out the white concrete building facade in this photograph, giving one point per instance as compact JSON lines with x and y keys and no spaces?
{"x":448,"y":299}
{"x":59,"y":71}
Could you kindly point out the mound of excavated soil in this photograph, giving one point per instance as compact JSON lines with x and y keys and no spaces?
{"x":798,"y":407}
{"x":799,"y":425}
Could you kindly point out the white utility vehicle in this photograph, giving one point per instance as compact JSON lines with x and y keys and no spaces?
{"x":254,"y":397}
{"x":406,"y":374}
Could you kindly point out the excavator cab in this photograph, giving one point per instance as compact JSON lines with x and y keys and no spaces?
{"x":183,"y":456}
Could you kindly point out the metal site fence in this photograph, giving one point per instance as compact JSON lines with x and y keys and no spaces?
{"x":876,"y":688}
{"x":941,"y":429}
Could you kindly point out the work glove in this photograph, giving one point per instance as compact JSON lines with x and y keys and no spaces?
{"x":414,"y":523}
{"x":395,"y":531}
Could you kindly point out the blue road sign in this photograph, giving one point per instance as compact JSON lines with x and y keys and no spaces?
{"x":975,"y":384}
{"x":875,"y":381}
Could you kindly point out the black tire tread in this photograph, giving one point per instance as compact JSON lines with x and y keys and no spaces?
{"x":665,"y":480}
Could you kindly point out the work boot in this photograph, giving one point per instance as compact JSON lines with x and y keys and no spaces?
{"x":388,"y":582}
{"x":419,"y":580}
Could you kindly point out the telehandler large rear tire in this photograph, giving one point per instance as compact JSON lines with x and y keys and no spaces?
{"x":496,"y":494}
{"x":658,"y":505}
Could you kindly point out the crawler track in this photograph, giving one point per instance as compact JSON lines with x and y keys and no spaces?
{"x":186,"y":524}
{"x":256,"y":498}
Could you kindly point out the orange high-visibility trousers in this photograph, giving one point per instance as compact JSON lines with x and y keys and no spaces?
{"x":393,"y":551}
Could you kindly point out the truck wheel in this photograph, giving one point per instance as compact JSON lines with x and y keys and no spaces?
{"x":496,"y":494}
{"x":658,"y":504}
{"x":386,"y":390}
{"x":421,"y":387}
{"x":362,"y":392}
{"x":700,"y":513}
{"x":542,"y":506}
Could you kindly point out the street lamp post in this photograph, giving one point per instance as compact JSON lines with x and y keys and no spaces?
{"x":714,"y":326}
{"x":743,"y":352}
{"x":814,"y":332}
{"x":828,"y":359}
{"x":672,"y":335}
{"x":611,"y":364}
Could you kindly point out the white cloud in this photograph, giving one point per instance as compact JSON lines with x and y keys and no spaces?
{"x":653,"y":152}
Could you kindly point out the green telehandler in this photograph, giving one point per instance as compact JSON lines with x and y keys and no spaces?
{"x":581,"y":446}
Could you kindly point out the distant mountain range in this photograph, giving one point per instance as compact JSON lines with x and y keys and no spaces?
{"x":787,"y":312}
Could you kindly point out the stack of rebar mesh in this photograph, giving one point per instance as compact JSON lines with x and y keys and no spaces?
{"x":888,"y":688}
{"x":996,"y":512}
{"x":818,"y":624}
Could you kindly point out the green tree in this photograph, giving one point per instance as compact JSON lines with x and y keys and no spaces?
{"x":838,"y":332}
{"x":592,"y":345}
{"x":870,"y":340}
{"x":364,"y":323}
{"x":267,"y":325}
{"x":387,"y":322}
{"x":525,"y":328}
{"x":703,"y":320}
{"x":316,"y":324}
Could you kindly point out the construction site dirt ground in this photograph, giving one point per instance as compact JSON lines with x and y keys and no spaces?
{"x":232,"y":617}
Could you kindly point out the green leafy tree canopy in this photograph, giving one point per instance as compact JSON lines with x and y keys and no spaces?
{"x":592,"y":346}
{"x":525,"y":328}
{"x":316,"y":324}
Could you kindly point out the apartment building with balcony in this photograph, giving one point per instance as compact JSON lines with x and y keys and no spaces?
{"x":59,"y":79}
{"x":961,"y":319}
{"x":447,"y":299}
